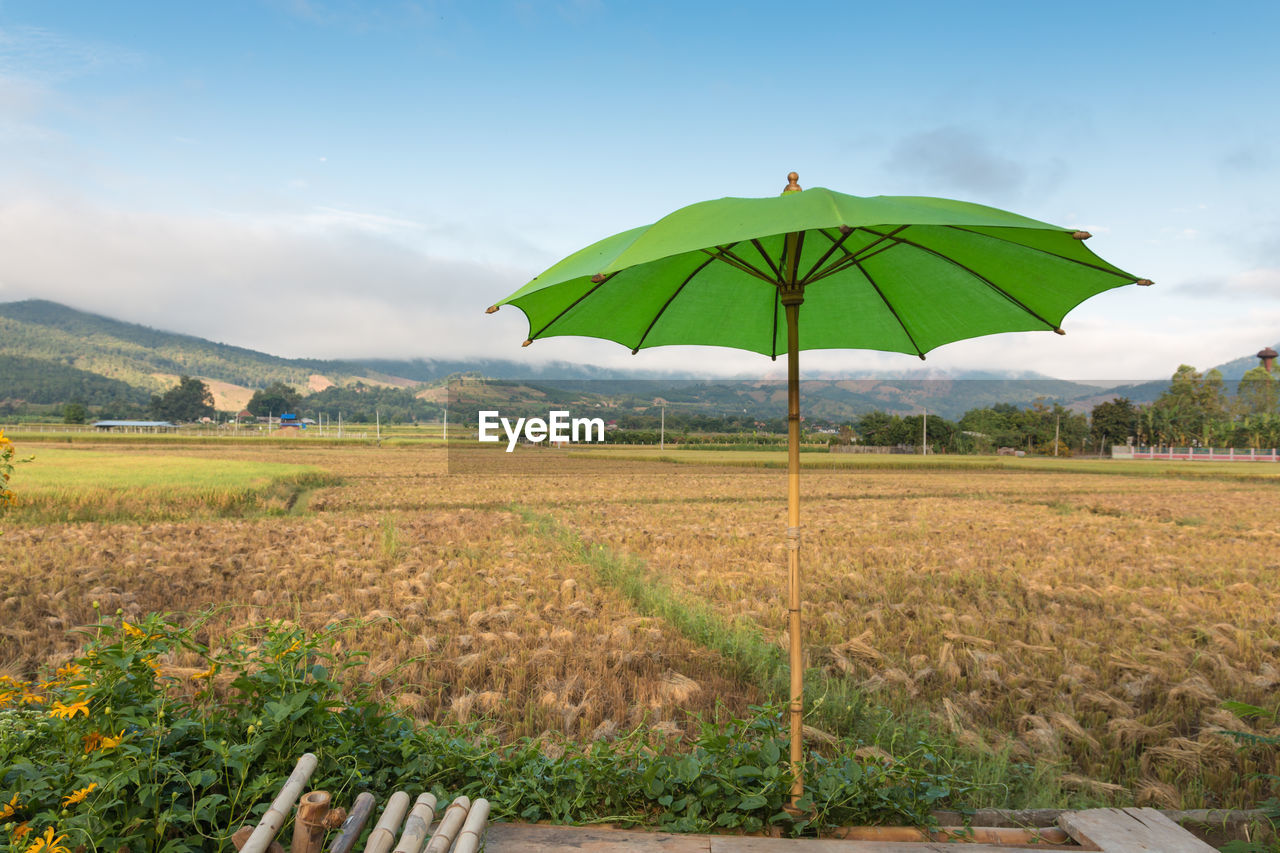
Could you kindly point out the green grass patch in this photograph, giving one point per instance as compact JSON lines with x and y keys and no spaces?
{"x":95,"y":485}
{"x":195,"y":438}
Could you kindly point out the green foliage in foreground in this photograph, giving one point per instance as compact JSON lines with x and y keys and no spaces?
{"x":1270,"y":807}
{"x":118,"y":748}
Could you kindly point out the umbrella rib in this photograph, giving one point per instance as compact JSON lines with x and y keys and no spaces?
{"x":988,"y":282}
{"x":667,"y":304}
{"x":790,"y":264}
{"x":889,"y":305}
{"x":768,"y":260}
{"x":1122,"y":275}
{"x":835,"y":244}
{"x":599,"y":284}
{"x":848,"y":261}
{"x":850,"y":258}
{"x":722,"y":253}
{"x":777,"y":300}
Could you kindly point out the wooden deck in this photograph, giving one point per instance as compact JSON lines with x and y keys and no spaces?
{"x":1104,"y":830}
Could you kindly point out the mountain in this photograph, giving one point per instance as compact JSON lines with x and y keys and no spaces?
{"x":51,"y":354}
{"x":51,"y":338}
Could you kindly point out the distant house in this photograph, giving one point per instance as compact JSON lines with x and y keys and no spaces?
{"x":134,"y":426}
{"x":290,"y":421}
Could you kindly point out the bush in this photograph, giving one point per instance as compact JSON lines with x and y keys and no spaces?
{"x":7,"y":498}
{"x":123,"y":747}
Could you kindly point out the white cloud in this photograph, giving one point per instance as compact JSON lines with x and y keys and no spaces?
{"x":1259,"y":283}
{"x":956,"y":158}
{"x":37,"y":53}
{"x":323,"y":285}
{"x":339,"y":283}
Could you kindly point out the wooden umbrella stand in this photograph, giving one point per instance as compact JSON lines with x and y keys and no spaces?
{"x":461,"y":828}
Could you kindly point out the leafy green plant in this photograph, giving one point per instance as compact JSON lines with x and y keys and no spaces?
{"x":7,"y":465}
{"x":124,"y":747}
{"x":1270,"y":807}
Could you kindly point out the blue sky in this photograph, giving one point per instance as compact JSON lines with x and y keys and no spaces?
{"x":342,"y":179}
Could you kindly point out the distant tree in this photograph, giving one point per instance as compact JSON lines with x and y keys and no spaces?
{"x":1113,"y":422}
{"x":74,"y":413}
{"x":191,"y":400}
{"x":1258,"y":392}
{"x":879,"y":429}
{"x":275,"y":399}
{"x":1194,"y":407}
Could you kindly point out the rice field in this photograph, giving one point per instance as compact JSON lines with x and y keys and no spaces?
{"x":1072,"y":615}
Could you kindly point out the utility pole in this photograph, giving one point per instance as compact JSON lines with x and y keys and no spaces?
{"x":1056,"y":424}
{"x":445,"y":423}
{"x":377,"y":416}
{"x":662,"y":432}
{"x":924,"y":434}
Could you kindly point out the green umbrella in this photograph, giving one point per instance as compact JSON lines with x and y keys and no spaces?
{"x":900,"y":274}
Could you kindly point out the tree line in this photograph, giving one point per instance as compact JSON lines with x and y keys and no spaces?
{"x":1196,"y":409}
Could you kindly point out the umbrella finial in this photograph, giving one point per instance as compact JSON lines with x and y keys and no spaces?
{"x":793,"y":185}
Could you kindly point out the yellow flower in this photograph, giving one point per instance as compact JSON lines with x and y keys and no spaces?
{"x":9,"y":810}
{"x":78,"y":796}
{"x":21,"y":830}
{"x":97,"y":740}
{"x":208,"y":673}
{"x":32,"y":698}
{"x":68,"y":670}
{"x":134,"y":631}
{"x":48,"y":844}
{"x":68,"y":712}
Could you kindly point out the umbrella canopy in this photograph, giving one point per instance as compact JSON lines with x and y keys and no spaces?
{"x":899,"y":274}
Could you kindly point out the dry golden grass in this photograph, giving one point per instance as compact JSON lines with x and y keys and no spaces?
{"x":1097,"y":622}
{"x":1091,"y":620}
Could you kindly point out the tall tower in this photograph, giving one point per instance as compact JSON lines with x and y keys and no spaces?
{"x":1268,"y":357}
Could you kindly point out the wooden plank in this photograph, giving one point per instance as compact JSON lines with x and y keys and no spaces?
{"x":752,"y":844}
{"x":512,"y":837}
{"x":1130,"y":831}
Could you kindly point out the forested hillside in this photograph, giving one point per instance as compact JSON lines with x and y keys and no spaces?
{"x":147,"y":358}
{"x":50,"y":382}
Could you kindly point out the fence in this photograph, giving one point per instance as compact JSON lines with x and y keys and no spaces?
{"x":1194,"y":454}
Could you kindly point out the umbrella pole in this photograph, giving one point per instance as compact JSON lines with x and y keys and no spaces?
{"x":791,"y":300}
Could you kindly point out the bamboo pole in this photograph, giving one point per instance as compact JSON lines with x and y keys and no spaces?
{"x":417,"y":824}
{"x":449,"y":825}
{"x":271,"y":822}
{"x":473,"y":830}
{"x":351,"y":828}
{"x":315,"y":817}
{"x":791,"y":302}
{"x":384,"y":831}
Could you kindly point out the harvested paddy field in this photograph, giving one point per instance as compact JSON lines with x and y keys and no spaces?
{"x":1088,"y":618}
